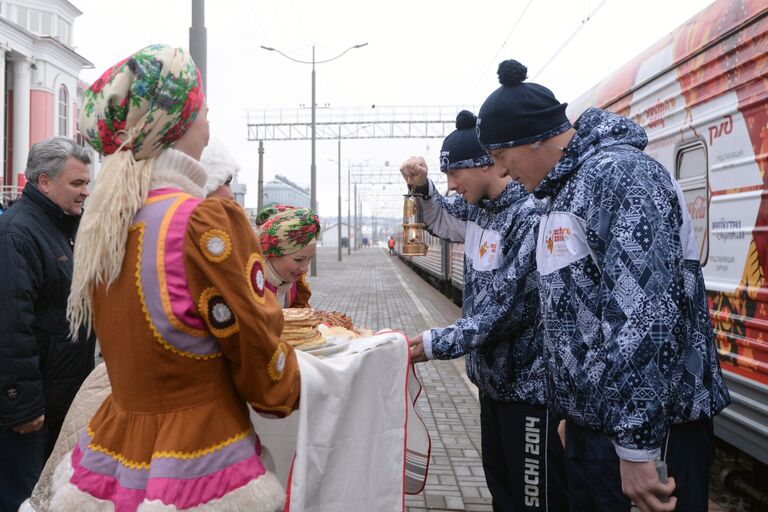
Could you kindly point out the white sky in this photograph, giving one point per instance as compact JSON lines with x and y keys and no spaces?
{"x":420,"y":52}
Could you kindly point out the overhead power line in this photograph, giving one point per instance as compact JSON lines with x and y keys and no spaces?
{"x":567,"y":41}
{"x":496,"y":56}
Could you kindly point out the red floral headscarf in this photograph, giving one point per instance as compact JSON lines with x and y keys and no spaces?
{"x":146,"y":101}
{"x":286,"y":229}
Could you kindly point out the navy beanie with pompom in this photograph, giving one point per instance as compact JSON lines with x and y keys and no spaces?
{"x":518,"y":112}
{"x":461,"y":149}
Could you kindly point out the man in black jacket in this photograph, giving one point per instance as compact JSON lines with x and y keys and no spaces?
{"x":41,"y":367}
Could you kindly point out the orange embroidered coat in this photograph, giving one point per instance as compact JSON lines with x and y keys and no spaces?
{"x":189,"y":337}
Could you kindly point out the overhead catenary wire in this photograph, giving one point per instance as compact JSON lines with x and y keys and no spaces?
{"x":496,"y":56}
{"x":567,"y":41}
{"x":302,"y":29}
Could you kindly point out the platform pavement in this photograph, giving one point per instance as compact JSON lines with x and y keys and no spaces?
{"x":379,"y":291}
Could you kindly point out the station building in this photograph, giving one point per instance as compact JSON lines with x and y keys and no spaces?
{"x":39,"y":70}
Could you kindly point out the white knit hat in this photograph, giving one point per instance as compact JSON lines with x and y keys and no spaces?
{"x":219,"y":164}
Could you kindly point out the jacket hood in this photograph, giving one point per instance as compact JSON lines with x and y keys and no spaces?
{"x":596,"y":130}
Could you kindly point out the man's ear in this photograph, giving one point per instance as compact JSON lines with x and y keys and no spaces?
{"x":43,"y":182}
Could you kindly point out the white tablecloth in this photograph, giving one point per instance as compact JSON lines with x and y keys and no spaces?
{"x":356,"y":442}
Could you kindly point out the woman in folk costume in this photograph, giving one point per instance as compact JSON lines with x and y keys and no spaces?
{"x":288,"y":238}
{"x":174,"y":287}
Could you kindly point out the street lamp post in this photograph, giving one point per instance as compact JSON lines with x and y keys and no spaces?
{"x":261,"y":177}
{"x":349,"y":203}
{"x":313,"y":188}
{"x":349,"y":206}
{"x":339,"y":220}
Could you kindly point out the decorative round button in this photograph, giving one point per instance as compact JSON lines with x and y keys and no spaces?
{"x":216,"y":245}
{"x":221,"y":313}
{"x":256,"y":277}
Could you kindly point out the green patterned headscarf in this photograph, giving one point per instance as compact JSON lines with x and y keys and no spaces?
{"x":286,"y":229}
{"x":146,"y":101}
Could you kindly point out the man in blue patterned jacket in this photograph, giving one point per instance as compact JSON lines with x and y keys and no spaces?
{"x":499,"y":332}
{"x":631,"y":358}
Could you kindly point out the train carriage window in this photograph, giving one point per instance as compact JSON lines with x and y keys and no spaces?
{"x":691,"y":171}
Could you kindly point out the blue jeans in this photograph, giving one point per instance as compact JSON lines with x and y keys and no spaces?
{"x":22,"y":457}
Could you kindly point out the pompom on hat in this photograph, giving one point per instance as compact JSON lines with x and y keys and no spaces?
{"x":219,"y":164}
{"x":518,"y":112}
{"x":286,"y":229}
{"x":144,"y":103}
{"x":461,"y":149}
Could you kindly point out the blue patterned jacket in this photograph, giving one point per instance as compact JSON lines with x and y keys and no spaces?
{"x":499,"y":331}
{"x":628,"y":338}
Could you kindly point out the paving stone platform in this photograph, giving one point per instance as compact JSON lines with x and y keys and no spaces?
{"x":378,"y":291}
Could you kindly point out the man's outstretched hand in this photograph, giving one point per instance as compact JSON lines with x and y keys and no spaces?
{"x":417,"y":349}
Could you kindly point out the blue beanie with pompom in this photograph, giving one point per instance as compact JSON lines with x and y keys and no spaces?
{"x":461,"y":149}
{"x":519,"y":113}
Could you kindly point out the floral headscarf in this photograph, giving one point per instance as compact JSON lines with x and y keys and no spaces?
{"x":146,"y":101}
{"x":286,"y":229}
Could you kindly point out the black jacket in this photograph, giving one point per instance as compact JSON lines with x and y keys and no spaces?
{"x":41,"y":369}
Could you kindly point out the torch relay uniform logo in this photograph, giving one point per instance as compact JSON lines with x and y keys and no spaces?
{"x":482,"y":247}
{"x":562,"y":240}
{"x":559,"y":235}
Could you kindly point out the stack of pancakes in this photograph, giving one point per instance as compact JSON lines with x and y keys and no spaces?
{"x":300,"y":328}
{"x":334,"y":319}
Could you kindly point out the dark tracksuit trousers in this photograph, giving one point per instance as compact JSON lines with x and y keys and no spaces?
{"x":523,"y":457}
{"x":595,"y":480}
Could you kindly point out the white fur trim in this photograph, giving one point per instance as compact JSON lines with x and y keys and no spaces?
{"x":219,"y":164}
{"x":67,"y":496}
{"x":63,"y":472}
{"x":70,"y":498}
{"x":175,"y":169}
{"x":26,"y":507}
{"x":265,"y":494}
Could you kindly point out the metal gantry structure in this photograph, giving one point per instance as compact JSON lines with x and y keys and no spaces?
{"x":381,"y":188}
{"x":374,"y":122}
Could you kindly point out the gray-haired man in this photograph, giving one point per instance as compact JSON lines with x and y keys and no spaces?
{"x":41,"y":368}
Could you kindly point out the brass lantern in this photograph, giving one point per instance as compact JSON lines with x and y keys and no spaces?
{"x":413,"y":228}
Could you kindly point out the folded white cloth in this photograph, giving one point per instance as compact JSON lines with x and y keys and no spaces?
{"x":356,"y":442}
